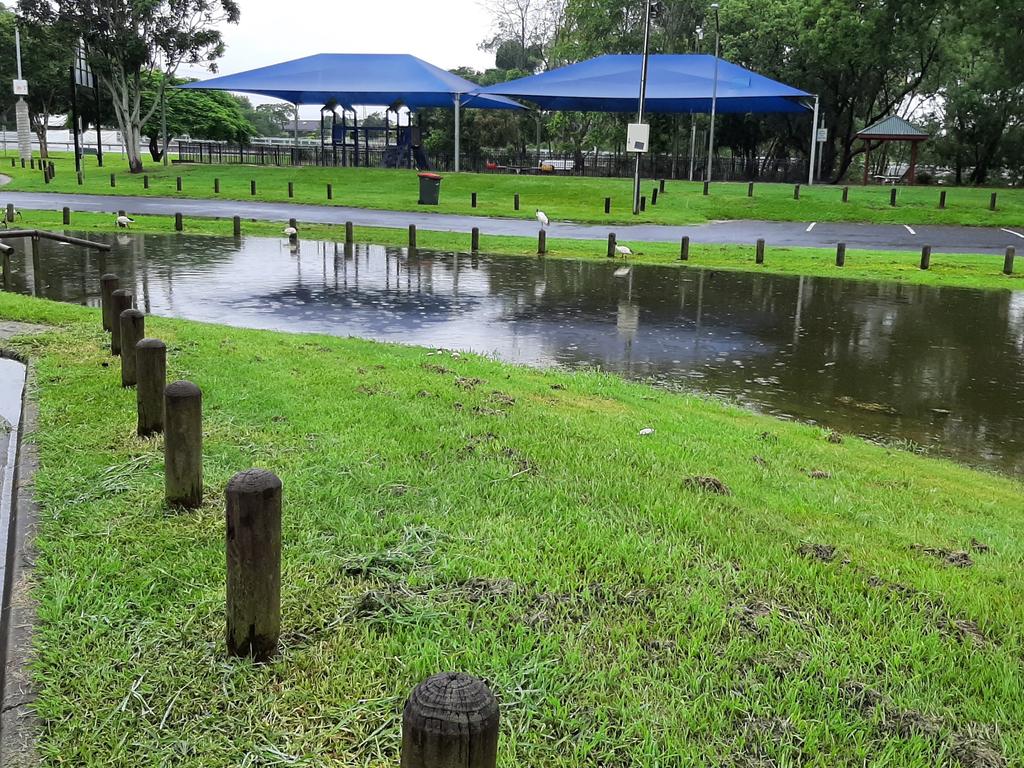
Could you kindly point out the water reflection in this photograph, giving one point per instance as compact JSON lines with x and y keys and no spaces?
{"x":940,"y":367}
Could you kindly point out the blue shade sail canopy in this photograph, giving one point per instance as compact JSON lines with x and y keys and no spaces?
{"x":364,"y":79}
{"x":675,"y":83}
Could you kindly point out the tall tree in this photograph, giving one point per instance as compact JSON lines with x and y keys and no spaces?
{"x":128,"y":39}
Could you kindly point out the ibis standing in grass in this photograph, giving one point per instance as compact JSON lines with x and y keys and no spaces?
{"x":123,"y":222}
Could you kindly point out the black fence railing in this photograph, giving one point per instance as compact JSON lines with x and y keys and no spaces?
{"x":593,"y":164}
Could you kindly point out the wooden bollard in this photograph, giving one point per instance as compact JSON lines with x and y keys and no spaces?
{"x":759,"y":251}
{"x":236,"y":226}
{"x":607,"y":205}
{"x":412,"y":235}
{"x":66,"y":215}
{"x":120,"y":300}
{"x":926,"y":256}
{"x":291,"y":189}
{"x":474,"y":240}
{"x":293,"y":223}
{"x":707,"y":188}
{"x":252,"y":187}
{"x":10,"y":212}
{"x":177,"y":183}
{"x":23,"y":162}
{"x":992,"y":201}
{"x":661,"y":185}
{"x":216,"y":186}
{"x":108,"y":284}
{"x":113,"y":180}
{"x":179,"y":225}
{"x":133,"y":330}
{"x":515,"y":202}
{"x":450,"y":721}
{"x":892,"y":196}
{"x":151,"y":378}
{"x":121,"y":213}
{"x":330,"y":192}
{"x":183,"y":444}
{"x":611,"y":245}
{"x":750,"y":189}
{"x":349,"y":236}
{"x":253,"y":505}
{"x":796,"y":192}
{"x":79,"y":177}
{"x":846,"y":194}
{"x":145,"y":181}
{"x":472,"y":200}
{"x":942,"y":199}
{"x":654,"y":196}
{"x":542,"y":242}
{"x":643,"y":202}
{"x":31,"y":163}
{"x":6,"y":255}
{"x":841,"y":254}
{"x":684,"y":248}
{"x":1008,"y":260}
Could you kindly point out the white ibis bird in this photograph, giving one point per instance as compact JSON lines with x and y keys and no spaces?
{"x":623,"y":250}
{"x":543,"y":219}
{"x":124,"y":221}
{"x":290,"y":232}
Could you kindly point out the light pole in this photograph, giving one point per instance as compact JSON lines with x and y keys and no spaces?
{"x":693,"y":116}
{"x":714,"y":96}
{"x":640,"y":105}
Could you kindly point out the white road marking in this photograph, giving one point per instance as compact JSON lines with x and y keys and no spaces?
{"x":1010,"y":231}
{"x":911,"y":231}
{"x":809,"y":228}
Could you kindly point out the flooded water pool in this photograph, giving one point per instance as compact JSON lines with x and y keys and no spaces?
{"x":941,"y":368}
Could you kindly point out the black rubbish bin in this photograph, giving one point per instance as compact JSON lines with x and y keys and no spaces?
{"x":430,"y":188}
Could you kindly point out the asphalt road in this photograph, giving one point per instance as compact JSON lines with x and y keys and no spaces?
{"x":895,"y":237}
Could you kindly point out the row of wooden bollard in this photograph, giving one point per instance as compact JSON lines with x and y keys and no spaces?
{"x":450,"y":720}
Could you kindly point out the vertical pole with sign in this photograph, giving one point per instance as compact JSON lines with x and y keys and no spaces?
{"x":637,"y":129}
{"x":73,"y":118}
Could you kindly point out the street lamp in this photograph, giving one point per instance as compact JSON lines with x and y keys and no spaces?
{"x":640,"y":107}
{"x":714,"y":96}
{"x":693,"y":117}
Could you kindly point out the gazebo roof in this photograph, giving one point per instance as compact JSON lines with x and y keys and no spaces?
{"x":893,"y":128}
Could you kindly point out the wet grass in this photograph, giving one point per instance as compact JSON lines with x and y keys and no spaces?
{"x":730,"y":590}
{"x":980,"y":271}
{"x":563,"y":198}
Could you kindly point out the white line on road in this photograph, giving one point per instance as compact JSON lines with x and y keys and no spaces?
{"x":1018,"y":234}
{"x":911,"y":231}
{"x":811,"y":226}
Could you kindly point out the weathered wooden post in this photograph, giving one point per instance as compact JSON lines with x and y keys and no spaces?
{"x":661,"y":185}
{"x":349,"y":235}
{"x":926,"y":256}
{"x":611,"y":245}
{"x":330,"y":192}
{"x":133,"y":330}
{"x":253,"y":564}
{"x":108,"y":284}
{"x":759,"y":251}
{"x":846,"y":194}
{"x":643,"y":202}
{"x":178,"y":223}
{"x":7,"y":268}
{"x":80,"y":178}
{"x":252,"y":187}
{"x":707,"y":188}
{"x":412,"y":236}
{"x":236,"y":226}
{"x":10,"y":212}
{"x":607,"y":205}
{"x":992,"y":202}
{"x":840,"y":254}
{"x":291,"y":189}
{"x":942,"y":199}
{"x":177,"y":183}
{"x":515,"y":202}
{"x":120,"y":300}
{"x":145,"y":181}
{"x":66,"y":215}
{"x":113,"y":180}
{"x":684,"y":248}
{"x":450,"y":721}
{"x":151,"y":378}
{"x":293,"y":223}
{"x":892,"y":196}
{"x":121,"y":213}
{"x":796,"y":192}
{"x":1008,"y":260}
{"x":474,"y":240}
{"x":654,"y":196}
{"x":183,"y":444}
{"x":472,"y":200}
{"x":31,"y":163}
{"x":750,"y":189}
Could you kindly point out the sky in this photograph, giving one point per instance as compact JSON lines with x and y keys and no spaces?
{"x":444,"y":32}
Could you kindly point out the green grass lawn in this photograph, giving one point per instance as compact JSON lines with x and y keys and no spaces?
{"x":563,"y":198}
{"x":983,"y":272}
{"x":843,"y":605}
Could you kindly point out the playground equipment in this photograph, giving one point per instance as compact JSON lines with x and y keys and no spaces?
{"x":345,"y":142}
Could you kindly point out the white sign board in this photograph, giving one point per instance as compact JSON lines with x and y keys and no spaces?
{"x":822,"y":135}
{"x":21,"y":87}
{"x":638,"y":136}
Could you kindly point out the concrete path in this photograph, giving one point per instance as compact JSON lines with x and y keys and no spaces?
{"x":899,"y":237}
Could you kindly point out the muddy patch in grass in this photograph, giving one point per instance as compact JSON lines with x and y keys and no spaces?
{"x":750,"y":614}
{"x":707,"y":484}
{"x":956,"y":558}
{"x":826,"y":553}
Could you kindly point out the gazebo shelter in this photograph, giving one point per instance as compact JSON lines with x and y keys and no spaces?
{"x":892,"y":129}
